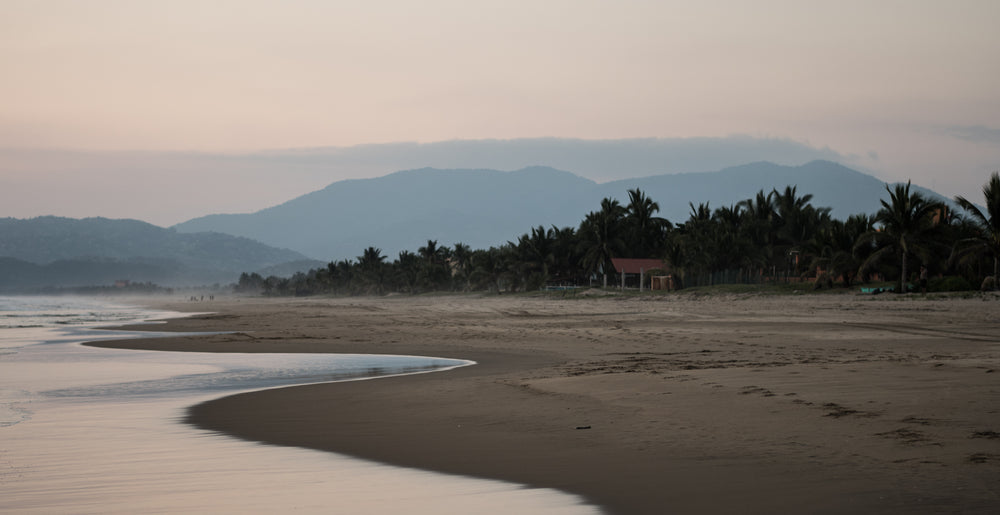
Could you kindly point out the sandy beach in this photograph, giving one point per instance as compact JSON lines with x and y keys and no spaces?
{"x":659,"y":404}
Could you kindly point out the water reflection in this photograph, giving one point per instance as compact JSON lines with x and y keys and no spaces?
{"x":87,"y":430}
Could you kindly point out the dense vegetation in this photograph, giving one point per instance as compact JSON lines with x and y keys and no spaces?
{"x":777,"y":236}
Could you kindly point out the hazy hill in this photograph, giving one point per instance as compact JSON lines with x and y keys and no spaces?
{"x":480,"y":208}
{"x":844,"y":190}
{"x":401,"y":211}
{"x":22,"y":276}
{"x":291,"y":268}
{"x":55,"y":251}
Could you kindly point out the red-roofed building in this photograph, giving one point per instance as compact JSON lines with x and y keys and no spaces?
{"x":639,"y":270}
{"x":637,"y":266}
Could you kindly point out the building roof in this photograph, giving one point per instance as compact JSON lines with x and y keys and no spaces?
{"x":634,"y":266}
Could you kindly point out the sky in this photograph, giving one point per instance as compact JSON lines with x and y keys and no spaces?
{"x":164,"y":111}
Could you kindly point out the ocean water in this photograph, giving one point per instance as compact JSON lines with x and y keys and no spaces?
{"x":87,"y":430}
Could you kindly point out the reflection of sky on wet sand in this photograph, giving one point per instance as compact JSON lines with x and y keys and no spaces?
{"x":121,"y":457}
{"x":86,"y":430}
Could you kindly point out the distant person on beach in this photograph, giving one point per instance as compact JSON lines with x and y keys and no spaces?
{"x":923,"y":279}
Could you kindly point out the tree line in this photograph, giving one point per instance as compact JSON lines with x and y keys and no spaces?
{"x":774,"y":236}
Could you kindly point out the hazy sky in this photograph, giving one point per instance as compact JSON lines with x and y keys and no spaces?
{"x":905,"y":89}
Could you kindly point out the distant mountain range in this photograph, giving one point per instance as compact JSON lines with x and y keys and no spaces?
{"x":483,"y":208}
{"x":53,"y":251}
{"x":396,"y":212}
{"x":404,"y":209}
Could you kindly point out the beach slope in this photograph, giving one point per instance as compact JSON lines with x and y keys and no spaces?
{"x":681,"y":403}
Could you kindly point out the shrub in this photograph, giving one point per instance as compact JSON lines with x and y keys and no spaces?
{"x":536,"y":281}
{"x":949,"y":283}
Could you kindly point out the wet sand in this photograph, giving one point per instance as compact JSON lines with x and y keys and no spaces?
{"x":667,"y":404}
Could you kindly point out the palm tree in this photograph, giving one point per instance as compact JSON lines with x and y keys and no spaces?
{"x":675,"y":252}
{"x":461,"y":265}
{"x":907,"y":224}
{"x":406,"y":269}
{"x":490,"y":268}
{"x":566,"y":250}
{"x":372,"y":266}
{"x":758,"y":226}
{"x":371,"y":258}
{"x":735,"y":241}
{"x":435,"y":271}
{"x":695,"y":244}
{"x":761,"y":207}
{"x":340,"y":275}
{"x":796,"y":220}
{"x":789,"y":211}
{"x":644,"y":229}
{"x":600,"y":236}
{"x":833,"y":247}
{"x":536,"y":252}
{"x":988,"y":225}
{"x":430,"y":252}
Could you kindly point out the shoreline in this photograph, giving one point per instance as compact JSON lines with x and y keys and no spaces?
{"x":729,"y":403}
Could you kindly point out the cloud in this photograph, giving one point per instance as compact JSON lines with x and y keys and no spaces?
{"x":974,"y":133}
{"x":599,"y":160}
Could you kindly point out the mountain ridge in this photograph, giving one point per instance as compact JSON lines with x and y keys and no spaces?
{"x":415,"y":194}
{"x":482,"y":207}
{"x":58,"y":251}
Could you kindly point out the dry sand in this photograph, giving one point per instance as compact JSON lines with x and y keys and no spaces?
{"x":667,"y":404}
